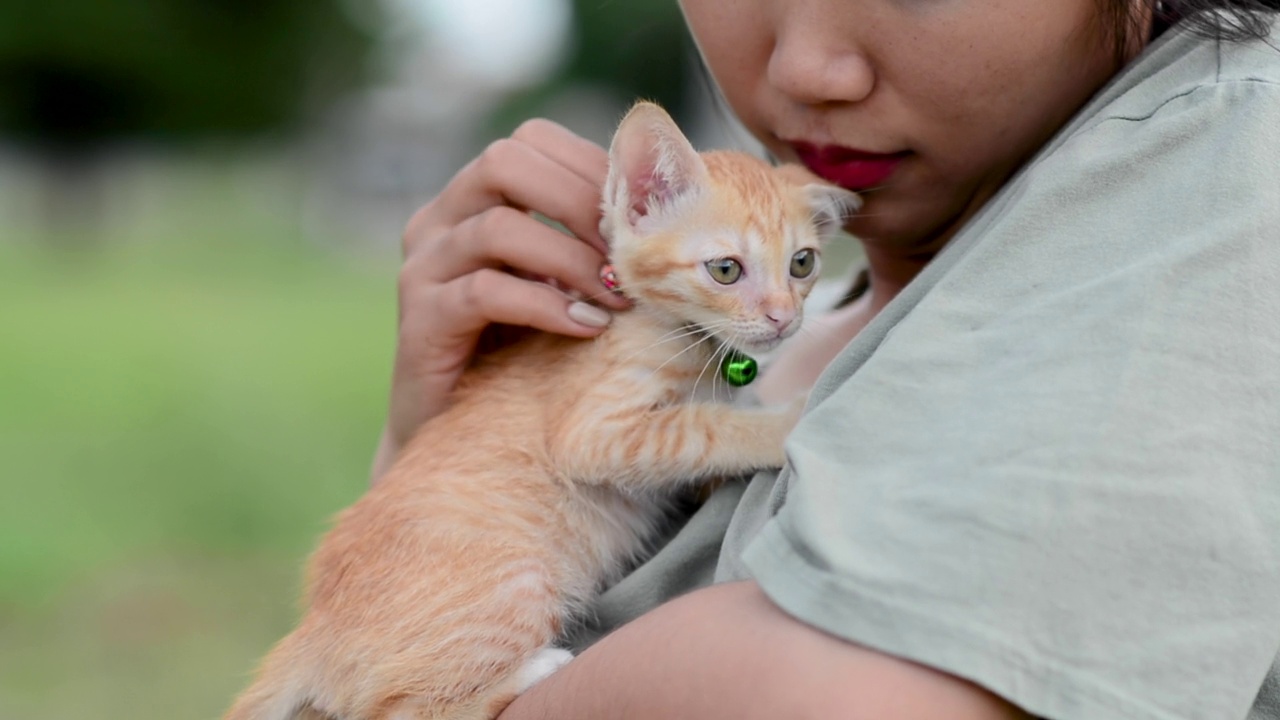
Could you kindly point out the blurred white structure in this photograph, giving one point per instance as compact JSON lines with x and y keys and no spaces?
{"x":498,"y":43}
{"x":448,"y":64}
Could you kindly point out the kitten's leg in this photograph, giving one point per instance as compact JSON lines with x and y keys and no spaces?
{"x":681,"y":442}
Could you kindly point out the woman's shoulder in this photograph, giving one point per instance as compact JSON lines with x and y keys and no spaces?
{"x":1187,"y":65}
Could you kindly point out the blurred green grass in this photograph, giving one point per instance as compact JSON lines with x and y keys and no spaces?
{"x":181,"y":410}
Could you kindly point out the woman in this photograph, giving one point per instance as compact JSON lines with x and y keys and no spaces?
{"x":1040,"y":471}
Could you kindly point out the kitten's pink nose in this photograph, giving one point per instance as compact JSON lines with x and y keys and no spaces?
{"x":781,"y":318}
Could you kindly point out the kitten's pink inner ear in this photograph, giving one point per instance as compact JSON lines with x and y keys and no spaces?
{"x":648,"y":186}
{"x":651,"y":161}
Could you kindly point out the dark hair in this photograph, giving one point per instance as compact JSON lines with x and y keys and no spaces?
{"x":1238,"y":19}
{"x":1227,"y":20}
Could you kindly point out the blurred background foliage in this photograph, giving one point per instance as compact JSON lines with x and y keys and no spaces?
{"x":200,"y":206}
{"x":77,"y":75}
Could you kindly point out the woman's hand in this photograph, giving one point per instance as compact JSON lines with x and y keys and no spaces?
{"x":476,"y":260}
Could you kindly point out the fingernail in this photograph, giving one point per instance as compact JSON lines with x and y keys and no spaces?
{"x":589,"y":315}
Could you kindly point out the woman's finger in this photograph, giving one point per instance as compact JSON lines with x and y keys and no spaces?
{"x":510,"y":172}
{"x":504,"y":237}
{"x":585,"y":158}
{"x":490,"y":296}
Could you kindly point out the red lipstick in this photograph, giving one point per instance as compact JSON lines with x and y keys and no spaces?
{"x":849,"y":168}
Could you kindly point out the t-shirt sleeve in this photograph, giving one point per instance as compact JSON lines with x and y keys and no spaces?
{"x":1058,"y":474}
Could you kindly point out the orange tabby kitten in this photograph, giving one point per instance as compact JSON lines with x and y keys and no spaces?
{"x":438,"y":594}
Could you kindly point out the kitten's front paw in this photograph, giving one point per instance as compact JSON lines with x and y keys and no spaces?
{"x":782,"y":420}
{"x":539,"y":667}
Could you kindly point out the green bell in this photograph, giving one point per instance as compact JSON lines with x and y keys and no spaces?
{"x":738,"y":369}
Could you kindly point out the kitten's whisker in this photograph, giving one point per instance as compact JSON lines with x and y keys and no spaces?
{"x":724,"y":355}
{"x":679,"y":333}
{"x":709,"y":336}
{"x":715,"y":361}
{"x":673,"y":357}
{"x":716,"y":378}
{"x":694,"y":393}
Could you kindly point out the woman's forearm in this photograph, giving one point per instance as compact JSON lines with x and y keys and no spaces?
{"x":383,"y":457}
{"x":728,"y":652}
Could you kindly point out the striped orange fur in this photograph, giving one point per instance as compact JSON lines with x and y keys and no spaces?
{"x":439,"y":594}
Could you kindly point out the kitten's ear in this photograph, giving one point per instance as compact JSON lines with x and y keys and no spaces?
{"x":651,"y":165}
{"x":831,"y":206}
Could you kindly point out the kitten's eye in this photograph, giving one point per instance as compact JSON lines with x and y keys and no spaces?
{"x":802,"y":263}
{"x":725,"y":271}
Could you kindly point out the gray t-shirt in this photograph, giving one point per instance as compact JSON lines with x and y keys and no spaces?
{"x":1052,"y":464}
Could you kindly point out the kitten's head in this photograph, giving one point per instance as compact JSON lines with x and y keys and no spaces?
{"x":720,"y":239}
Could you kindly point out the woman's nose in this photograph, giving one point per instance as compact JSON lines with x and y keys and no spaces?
{"x":812,"y":68}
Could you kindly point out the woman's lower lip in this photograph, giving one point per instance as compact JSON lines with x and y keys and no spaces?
{"x":859,"y":175}
{"x":850,"y":169}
